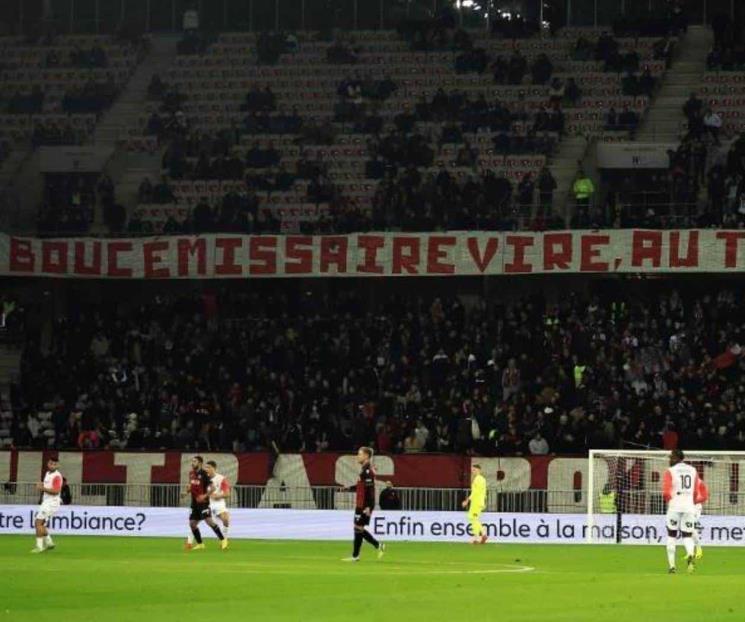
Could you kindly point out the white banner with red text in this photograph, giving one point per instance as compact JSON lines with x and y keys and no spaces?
{"x":377,"y":254}
{"x":386,"y":525}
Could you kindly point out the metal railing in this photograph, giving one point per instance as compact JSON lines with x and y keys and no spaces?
{"x":333,"y":498}
{"x":311,"y":497}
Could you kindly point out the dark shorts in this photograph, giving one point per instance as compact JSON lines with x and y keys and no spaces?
{"x":199,"y":511}
{"x":361,"y":519}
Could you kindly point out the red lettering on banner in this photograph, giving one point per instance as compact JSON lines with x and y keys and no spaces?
{"x":520,"y":243}
{"x":22,"y":257}
{"x":436,"y":252}
{"x":553,"y":258}
{"x":646,"y":245}
{"x":482,"y":261}
{"x":691,"y":258}
{"x":334,"y":252}
{"x":589,"y":252}
{"x":300,"y":250}
{"x":54,"y":257}
{"x":94,"y":268}
{"x":151,"y":252}
{"x":264,"y":250}
{"x":228,"y":265}
{"x":112,"y":253}
{"x":186,"y":248}
{"x":731,"y":242}
{"x":405,"y":261}
{"x":371,"y":244}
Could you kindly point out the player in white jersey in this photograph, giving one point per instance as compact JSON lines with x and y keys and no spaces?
{"x":701,"y":497}
{"x":219,"y":491}
{"x":679,"y":486}
{"x":50,"y":490}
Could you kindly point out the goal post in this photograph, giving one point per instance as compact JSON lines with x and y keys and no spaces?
{"x":624,"y":491}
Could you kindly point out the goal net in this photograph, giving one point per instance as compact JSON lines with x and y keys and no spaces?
{"x":624,"y":496}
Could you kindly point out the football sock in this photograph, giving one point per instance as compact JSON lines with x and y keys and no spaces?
{"x":190,"y":538}
{"x":671,"y":552}
{"x":688,"y":544}
{"x":197,"y":535}
{"x":368,"y":537}
{"x":217,"y":531}
{"x":357,"y":544}
{"x":39,"y":543}
{"x":225,"y":529}
{"x":48,"y":541}
{"x":476,"y":526}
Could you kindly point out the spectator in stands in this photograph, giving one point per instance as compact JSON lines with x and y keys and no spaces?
{"x":611,"y":120}
{"x":572,"y":92}
{"x":162,"y":192}
{"x":525,"y":191}
{"x":692,"y":109}
{"x":557,"y":91}
{"x":716,"y":193}
{"x":712,"y":124}
{"x":646,"y":82}
{"x":546,"y":186}
{"x":542,"y":69}
{"x":517,"y":68}
{"x":341,"y":54}
{"x":628,"y":120}
{"x":538,"y":445}
{"x":467,"y":155}
{"x":156,"y":89}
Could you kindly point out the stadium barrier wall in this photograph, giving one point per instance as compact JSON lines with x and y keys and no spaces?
{"x":455,"y":253}
{"x":388,"y":525}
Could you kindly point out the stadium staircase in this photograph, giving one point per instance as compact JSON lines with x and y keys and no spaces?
{"x":127,"y":168}
{"x":665,"y":120}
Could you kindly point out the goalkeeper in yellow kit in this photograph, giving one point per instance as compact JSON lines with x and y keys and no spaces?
{"x":476,"y":503}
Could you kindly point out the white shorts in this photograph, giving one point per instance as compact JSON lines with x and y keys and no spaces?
{"x":683,"y":522}
{"x":47,"y":509}
{"x":218,"y":507}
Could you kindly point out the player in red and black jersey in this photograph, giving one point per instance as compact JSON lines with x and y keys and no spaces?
{"x":364,"y":505}
{"x":197,"y":487}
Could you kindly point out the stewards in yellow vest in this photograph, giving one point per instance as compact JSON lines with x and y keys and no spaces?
{"x":583,"y":187}
{"x":583,"y":190}
{"x":608,"y":501}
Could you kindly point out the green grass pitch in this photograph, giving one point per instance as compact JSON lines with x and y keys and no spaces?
{"x":143,"y":580}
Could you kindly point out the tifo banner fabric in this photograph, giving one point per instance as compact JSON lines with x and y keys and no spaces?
{"x":377,"y":254}
{"x":297,"y":470}
{"x":336,"y":525}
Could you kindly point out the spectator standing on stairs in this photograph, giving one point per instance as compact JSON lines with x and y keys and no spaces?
{"x":583,"y":189}
{"x":546,"y":186}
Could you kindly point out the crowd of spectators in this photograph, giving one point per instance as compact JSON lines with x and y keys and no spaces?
{"x":728,"y":51}
{"x":52,"y":132}
{"x":91,"y":98}
{"x":271,"y":45}
{"x":483,"y":201}
{"x":68,"y":204}
{"x":244,"y":371}
{"x":88,"y":58}
{"x":26,"y":103}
